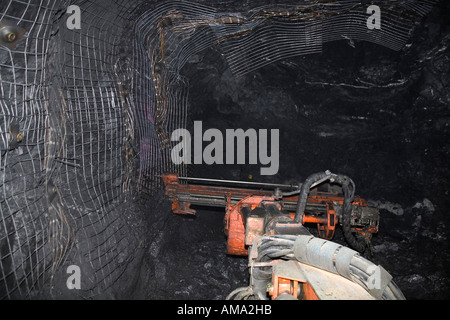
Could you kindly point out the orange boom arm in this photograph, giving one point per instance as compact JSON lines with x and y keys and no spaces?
{"x":251,"y":213}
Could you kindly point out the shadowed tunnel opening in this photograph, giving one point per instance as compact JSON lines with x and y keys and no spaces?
{"x":87,"y":116}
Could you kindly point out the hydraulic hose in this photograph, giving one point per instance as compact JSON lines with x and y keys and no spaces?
{"x":304,"y":193}
{"x":337,"y":259}
{"x":349,"y":189}
{"x":325,"y":255}
{"x":240,"y":294}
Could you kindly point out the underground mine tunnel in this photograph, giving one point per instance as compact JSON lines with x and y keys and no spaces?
{"x":92,"y":92}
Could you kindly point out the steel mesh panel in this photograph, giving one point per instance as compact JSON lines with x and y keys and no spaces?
{"x":25,"y":251}
{"x":274,"y":33}
{"x":161,"y":95}
{"x":64,"y":183}
{"x":96,"y":150}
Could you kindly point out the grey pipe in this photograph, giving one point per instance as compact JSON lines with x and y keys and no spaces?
{"x":340,"y":260}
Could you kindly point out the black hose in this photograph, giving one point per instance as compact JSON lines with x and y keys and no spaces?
{"x":239,"y":293}
{"x":304,"y":193}
{"x":269,"y":244}
{"x":349,"y":189}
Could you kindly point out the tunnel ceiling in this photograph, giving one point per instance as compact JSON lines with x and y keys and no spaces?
{"x":87,"y":114}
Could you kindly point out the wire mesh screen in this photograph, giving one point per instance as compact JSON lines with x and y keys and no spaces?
{"x":25,"y":250}
{"x":161,"y":91}
{"x":63,"y":93}
{"x":94,"y":147}
{"x":87,"y":114}
{"x":168,"y":35}
{"x":273,"y":33}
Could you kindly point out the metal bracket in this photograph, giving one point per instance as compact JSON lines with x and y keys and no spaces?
{"x":15,"y":137}
{"x":10,"y":34}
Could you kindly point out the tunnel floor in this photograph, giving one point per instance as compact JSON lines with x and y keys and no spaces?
{"x":187,"y":259}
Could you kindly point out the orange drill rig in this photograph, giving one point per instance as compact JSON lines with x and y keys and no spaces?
{"x":267,"y":223}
